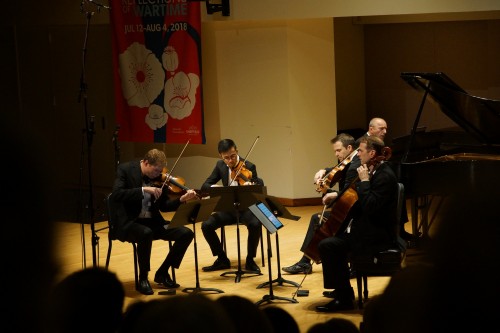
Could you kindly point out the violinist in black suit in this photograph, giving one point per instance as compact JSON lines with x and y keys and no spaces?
{"x":136,"y":206}
{"x":369,"y":228}
{"x":224,"y":168}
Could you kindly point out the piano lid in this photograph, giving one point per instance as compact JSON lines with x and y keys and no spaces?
{"x":478,"y":116}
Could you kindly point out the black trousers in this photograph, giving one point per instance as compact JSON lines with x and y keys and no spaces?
{"x":219,"y":219}
{"x":145,"y":231}
{"x":334,"y":253}
{"x":311,"y":229}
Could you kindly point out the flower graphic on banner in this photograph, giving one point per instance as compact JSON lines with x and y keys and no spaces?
{"x":142,"y":75}
{"x":170,"y":59}
{"x":156,"y":117}
{"x":143,"y":79}
{"x":180,"y":94}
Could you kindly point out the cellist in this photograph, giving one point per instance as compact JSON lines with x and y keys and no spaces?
{"x":343,"y":145}
{"x":370,"y":227}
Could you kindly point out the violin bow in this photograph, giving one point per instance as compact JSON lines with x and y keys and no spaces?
{"x":167,"y":176}
{"x":241,"y":165}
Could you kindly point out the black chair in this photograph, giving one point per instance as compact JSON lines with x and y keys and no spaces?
{"x":111,"y":238}
{"x":384,"y":263}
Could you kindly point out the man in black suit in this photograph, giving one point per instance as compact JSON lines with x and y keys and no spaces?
{"x":344,"y":147}
{"x":228,"y":164}
{"x":369,"y":227}
{"x":136,"y":207}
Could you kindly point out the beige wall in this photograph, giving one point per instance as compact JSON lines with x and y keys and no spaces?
{"x":275,"y":81}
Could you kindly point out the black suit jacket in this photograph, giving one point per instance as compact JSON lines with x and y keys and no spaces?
{"x":221,"y":173}
{"x":375,"y":212}
{"x":126,"y":200}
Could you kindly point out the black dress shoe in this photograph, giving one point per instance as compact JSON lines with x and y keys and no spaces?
{"x":144,"y":287}
{"x":219,"y":263}
{"x":300,"y":267}
{"x":330,"y":294}
{"x":333,"y":294}
{"x":250,"y":265}
{"x":165,"y":280}
{"x":336,"y":306}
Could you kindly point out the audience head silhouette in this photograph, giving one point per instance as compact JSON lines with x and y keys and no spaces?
{"x":89,"y":300}
{"x":336,"y":325}
{"x":281,"y":320}
{"x":191,"y":313}
{"x":246,"y":316}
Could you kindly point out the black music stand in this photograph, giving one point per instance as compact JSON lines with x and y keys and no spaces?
{"x":272,"y":224}
{"x":237,"y":198}
{"x":280,"y":211}
{"x":193,"y":212}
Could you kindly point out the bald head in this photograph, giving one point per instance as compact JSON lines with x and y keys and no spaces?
{"x":377,"y":127}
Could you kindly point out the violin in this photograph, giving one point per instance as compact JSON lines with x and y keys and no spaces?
{"x":175,"y":185}
{"x":241,"y":174}
{"x":335,"y":174}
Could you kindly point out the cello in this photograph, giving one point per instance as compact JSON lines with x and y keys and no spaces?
{"x":338,"y":219}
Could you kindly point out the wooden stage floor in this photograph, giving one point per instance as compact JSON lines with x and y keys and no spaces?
{"x":71,"y":255}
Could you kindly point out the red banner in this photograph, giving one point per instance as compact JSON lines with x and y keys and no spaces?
{"x":157,"y":70}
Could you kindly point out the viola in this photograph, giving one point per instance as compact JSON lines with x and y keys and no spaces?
{"x":335,"y":175}
{"x":241,"y":174}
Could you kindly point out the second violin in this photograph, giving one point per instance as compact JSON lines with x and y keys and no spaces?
{"x":241,"y":174}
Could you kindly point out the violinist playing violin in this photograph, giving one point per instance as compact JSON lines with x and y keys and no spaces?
{"x":345,"y":172}
{"x":136,"y":205}
{"x":226,"y":171}
{"x":370,"y":226}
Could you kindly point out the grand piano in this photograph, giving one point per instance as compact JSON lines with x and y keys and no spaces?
{"x":434,"y":164}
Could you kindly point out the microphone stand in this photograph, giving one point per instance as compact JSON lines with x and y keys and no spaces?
{"x":89,"y":132}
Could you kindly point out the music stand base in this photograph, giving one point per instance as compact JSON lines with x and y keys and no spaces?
{"x":280,"y":282}
{"x":271,"y":298}
{"x":199,"y":290}
{"x":239,"y":274}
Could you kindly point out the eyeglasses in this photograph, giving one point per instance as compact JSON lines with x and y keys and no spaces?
{"x":230,"y":157}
